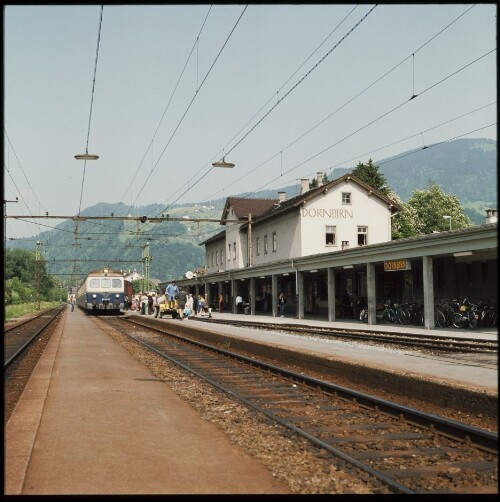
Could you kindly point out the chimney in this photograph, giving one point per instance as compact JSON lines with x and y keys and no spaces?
{"x":491,"y":216}
{"x":304,"y":185}
{"x":281,"y":197}
{"x":319,"y":178}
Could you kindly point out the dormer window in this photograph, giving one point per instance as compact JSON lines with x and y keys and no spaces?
{"x":346,"y":197}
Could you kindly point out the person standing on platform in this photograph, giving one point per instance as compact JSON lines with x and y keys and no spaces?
{"x":190,"y":304}
{"x":126,"y":302}
{"x":160,"y":300}
{"x":181,"y":302}
{"x":72,"y":303}
{"x":221,"y":302}
{"x":195,"y":304}
{"x":171,"y":293}
{"x":201,"y":305}
{"x":281,"y":304}
{"x":239,"y":304}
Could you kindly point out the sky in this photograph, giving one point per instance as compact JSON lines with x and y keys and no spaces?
{"x":160,"y":92}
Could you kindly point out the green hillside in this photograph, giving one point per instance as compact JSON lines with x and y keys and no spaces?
{"x":466,"y":168}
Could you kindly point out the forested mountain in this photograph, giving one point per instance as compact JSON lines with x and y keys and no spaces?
{"x":464,"y":167}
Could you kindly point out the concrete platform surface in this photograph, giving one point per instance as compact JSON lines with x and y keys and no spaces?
{"x":93,"y":420}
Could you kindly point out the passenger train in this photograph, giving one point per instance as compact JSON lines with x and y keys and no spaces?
{"x":103,"y":292}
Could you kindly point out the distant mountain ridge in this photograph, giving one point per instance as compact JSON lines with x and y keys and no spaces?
{"x":464,"y":167}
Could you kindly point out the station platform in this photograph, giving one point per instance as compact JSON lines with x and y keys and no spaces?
{"x":93,"y":420}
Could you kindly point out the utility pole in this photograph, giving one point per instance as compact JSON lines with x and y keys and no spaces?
{"x":146,"y":260}
{"x":249,"y":237}
{"x":37,"y":274}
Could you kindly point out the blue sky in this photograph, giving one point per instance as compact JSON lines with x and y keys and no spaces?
{"x":282,"y":91}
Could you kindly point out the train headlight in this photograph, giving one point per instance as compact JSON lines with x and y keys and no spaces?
{"x":94,"y":296}
{"x":117,"y":295}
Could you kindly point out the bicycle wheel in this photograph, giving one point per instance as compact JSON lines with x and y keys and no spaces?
{"x":458,"y":320}
{"x":439,"y":319}
{"x":473,"y":321}
{"x":402,"y":316}
{"x":390,"y":316}
{"x":449,"y":315}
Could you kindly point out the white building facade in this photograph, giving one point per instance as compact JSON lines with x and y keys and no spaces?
{"x":341,"y":214}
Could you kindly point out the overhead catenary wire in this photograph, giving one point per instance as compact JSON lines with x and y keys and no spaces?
{"x":190,"y":104}
{"x":91,"y":106}
{"x":199,"y":179}
{"x":376,"y":81}
{"x":150,"y":145}
{"x":385,"y":114}
{"x":187,"y":109}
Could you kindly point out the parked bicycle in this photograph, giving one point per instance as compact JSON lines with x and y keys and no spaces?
{"x":384,"y":312}
{"x":467,"y":315}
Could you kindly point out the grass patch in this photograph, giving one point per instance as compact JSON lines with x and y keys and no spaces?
{"x":16,"y":311}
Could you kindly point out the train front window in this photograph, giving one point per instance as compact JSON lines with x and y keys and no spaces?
{"x":94,"y":283}
{"x":117,"y":283}
{"x":105,"y":282}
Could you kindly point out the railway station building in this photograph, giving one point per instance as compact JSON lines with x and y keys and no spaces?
{"x":333,"y":239}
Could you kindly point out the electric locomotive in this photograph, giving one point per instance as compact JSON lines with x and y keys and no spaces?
{"x":103,"y":291}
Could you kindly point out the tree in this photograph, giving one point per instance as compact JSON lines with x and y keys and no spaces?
{"x":424,"y":213}
{"x":370,"y":174}
{"x":402,"y":223}
{"x":20,"y":266}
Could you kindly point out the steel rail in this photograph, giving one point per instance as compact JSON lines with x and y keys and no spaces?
{"x":448,"y":344}
{"x":28,"y":339}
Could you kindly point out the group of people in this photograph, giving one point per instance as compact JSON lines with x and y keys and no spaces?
{"x":187,"y":303}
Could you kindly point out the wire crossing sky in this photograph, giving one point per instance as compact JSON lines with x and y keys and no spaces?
{"x":361,"y":62}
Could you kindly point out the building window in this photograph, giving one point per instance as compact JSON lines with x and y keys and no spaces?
{"x":265,"y":244}
{"x":275,"y":244}
{"x":228,"y":252}
{"x":345,"y":244}
{"x":330,"y":235}
{"x":346,"y":197}
{"x":221,"y":256}
{"x":258,"y":246}
{"x":212,"y":260}
{"x":217,"y":258}
{"x":362,"y":236}
{"x":208,"y":260}
{"x":234,"y":250}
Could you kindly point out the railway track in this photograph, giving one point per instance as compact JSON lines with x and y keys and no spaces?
{"x":19,"y":337}
{"x":399,"y":449}
{"x":410,"y":340}
{"x":24,"y":343}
